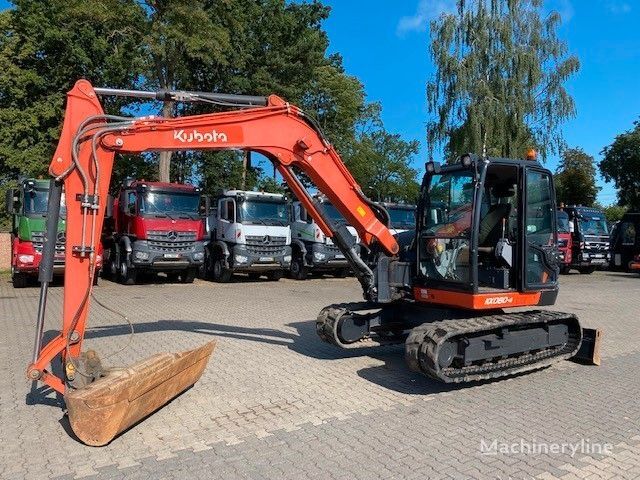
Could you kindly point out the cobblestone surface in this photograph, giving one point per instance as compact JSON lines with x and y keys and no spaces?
{"x":275,"y":402}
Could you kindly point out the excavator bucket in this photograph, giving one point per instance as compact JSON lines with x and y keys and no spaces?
{"x":103,"y":409}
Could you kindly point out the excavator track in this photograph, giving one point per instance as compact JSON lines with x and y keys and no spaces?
{"x":329,"y":323}
{"x":438,"y":349}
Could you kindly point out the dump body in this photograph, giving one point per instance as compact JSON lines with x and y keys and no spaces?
{"x":154,"y":227}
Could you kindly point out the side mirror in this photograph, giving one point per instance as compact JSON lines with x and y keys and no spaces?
{"x":12,"y":200}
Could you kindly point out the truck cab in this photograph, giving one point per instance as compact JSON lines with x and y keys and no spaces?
{"x":311,"y":249}
{"x":565,"y":244}
{"x":28,"y":208}
{"x":247,"y":232}
{"x":590,"y":238}
{"x":402,"y":217}
{"x":154,"y":227}
{"x":625,"y":242}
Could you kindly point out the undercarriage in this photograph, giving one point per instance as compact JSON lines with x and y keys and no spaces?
{"x":456,"y":346}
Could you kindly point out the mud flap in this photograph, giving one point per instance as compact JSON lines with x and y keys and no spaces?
{"x":123,"y":397}
{"x":589,"y":352}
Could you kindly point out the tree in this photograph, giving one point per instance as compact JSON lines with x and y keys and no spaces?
{"x":40,"y":61}
{"x":614,"y":213}
{"x":498,"y":85}
{"x":575,"y":178}
{"x":621,"y":164}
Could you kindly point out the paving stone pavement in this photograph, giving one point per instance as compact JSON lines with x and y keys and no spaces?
{"x":275,"y":402}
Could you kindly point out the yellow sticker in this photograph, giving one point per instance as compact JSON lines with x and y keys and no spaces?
{"x":361,"y":211}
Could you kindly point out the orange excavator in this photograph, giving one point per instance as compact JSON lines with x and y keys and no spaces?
{"x":485,"y":241}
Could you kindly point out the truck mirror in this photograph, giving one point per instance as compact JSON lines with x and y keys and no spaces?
{"x":11,"y":200}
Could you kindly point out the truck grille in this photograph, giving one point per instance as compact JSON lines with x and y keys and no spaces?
{"x":37,"y":238}
{"x":171,"y":241}
{"x":266,"y":245}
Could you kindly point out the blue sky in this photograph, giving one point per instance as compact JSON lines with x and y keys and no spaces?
{"x":385,"y":44}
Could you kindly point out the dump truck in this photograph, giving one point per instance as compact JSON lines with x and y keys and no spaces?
{"x":154,"y":227}
{"x":625,"y":242}
{"x":311,"y":249}
{"x":443,"y":295}
{"x":247,"y":232}
{"x":565,"y":242}
{"x":402,"y":216}
{"x":590,"y":238}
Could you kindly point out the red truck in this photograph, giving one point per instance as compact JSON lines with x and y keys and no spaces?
{"x":154,"y":227}
{"x":565,"y":243}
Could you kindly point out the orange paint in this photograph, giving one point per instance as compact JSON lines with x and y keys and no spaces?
{"x":477,"y":301}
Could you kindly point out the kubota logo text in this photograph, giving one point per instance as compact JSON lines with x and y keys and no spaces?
{"x":196,"y":136}
{"x":498,"y":300}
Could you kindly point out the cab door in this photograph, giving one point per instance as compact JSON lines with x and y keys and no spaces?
{"x":540,"y":269}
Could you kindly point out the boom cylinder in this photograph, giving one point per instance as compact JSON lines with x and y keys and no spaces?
{"x":45,"y":270}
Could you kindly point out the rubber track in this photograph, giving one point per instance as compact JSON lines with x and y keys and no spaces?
{"x":424,"y":342}
{"x":328,"y":320}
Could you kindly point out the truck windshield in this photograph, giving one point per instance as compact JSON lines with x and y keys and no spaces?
{"x":332,"y":212}
{"x":563,"y":223}
{"x":264,"y":212}
{"x":167,"y":202}
{"x":36,"y":202}
{"x":594,"y":226}
{"x":402,"y":217}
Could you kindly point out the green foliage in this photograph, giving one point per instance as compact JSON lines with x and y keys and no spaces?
{"x":614,"y":212}
{"x":500,"y":70}
{"x":40,"y":60}
{"x":621,"y":164}
{"x":575,"y":178}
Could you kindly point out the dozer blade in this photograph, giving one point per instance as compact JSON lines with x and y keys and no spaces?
{"x":103,"y":409}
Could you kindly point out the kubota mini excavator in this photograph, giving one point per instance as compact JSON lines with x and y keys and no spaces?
{"x":485,"y":241}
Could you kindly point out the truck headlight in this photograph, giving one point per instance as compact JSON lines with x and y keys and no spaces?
{"x":241,"y":259}
{"x":319,"y":256}
{"x":25,"y":258}
{"x":139,"y":255}
{"x":287,"y":258}
{"x":198,"y":255}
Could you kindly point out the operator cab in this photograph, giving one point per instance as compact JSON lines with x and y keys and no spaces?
{"x":500,"y":208}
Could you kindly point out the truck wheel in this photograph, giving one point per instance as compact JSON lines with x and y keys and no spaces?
{"x":275,"y":275}
{"x":189,"y":275}
{"x":564,"y":270}
{"x":126,"y":275}
{"x":20,"y":280}
{"x":297,"y":270}
{"x":221,"y":273}
{"x":253,"y":276}
{"x":587,"y":270}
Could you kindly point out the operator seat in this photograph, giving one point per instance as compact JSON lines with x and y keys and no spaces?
{"x":490,"y":230}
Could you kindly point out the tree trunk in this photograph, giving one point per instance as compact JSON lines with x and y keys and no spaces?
{"x":164,"y":163}
{"x":246,"y":165}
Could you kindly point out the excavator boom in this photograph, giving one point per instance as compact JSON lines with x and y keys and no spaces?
{"x":83,"y":162}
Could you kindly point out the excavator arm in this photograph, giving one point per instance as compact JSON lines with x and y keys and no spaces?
{"x":83,"y":163}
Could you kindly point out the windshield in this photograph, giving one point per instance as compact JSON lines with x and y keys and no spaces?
{"x":563,"y":223}
{"x":402,"y":217}
{"x":36,"y":201}
{"x":449,"y":204}
{"x":260,"y":211}
{"x":333,"y":213}
{"x":167,"y":202}
{"x":594,"y":226}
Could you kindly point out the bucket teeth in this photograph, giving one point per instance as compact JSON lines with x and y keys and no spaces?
{"x":123,"y":397}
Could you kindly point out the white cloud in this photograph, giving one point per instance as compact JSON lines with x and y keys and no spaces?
{"x":426,"y":11}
